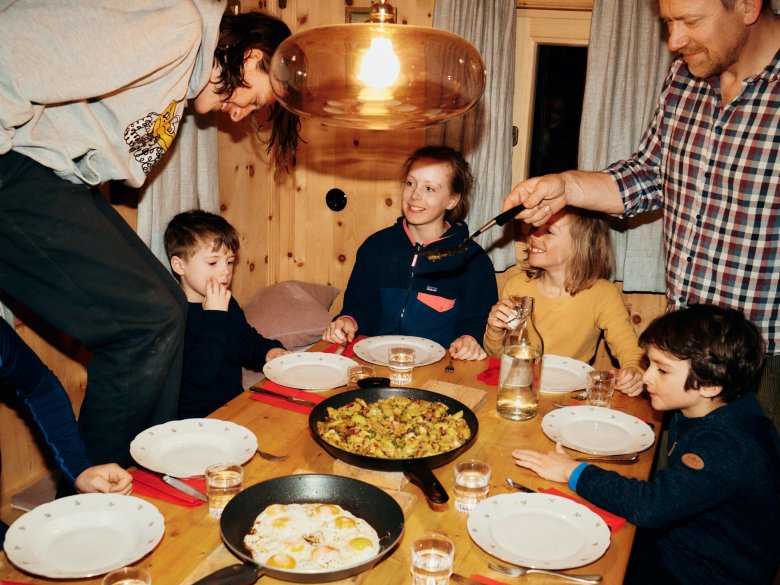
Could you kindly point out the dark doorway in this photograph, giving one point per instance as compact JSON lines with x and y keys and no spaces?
{"x":560,"y":85}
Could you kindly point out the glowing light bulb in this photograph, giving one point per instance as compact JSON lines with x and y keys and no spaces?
{"x":379,"y":70}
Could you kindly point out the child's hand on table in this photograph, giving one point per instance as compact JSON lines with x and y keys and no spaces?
{"x":106,"y":478}
{"x":553,"y":465}
{"x":629,"y":381}
{"x":275,"y":353}
{"x":342,"y":331}
{"x":466,"y":347}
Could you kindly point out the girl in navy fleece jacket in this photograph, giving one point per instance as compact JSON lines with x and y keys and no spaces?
{"x":393,"y":290}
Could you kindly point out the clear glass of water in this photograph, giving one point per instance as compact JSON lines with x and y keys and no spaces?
{"x":601,"y":386}
{"x":128,"y":576}
{"x":433,"y":556}
{"x":472,"y":484}
{"x":357,"y":373}
{"x":400,"y":362}
{"x":223,"y":482}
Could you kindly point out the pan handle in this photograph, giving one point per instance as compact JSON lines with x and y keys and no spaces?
{"x":422,"y":475}
{"x":243,"y":574}
{"x":373,"y":383}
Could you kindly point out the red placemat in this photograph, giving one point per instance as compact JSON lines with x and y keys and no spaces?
{"x":349,"y":350}
{"x":490,"y":375}
{"x":614,"y":522}
{"x":151,"y":485}
{"x":287,"y":391}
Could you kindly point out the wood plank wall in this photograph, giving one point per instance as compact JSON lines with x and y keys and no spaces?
{"x":287,"y":231}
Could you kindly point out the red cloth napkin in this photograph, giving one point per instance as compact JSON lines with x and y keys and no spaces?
{"x":348,"y":350}
{"x":287,"y":391}
{"x":614,"y":522}
{"x":490,"y":376}
{"x":152,"y":485}
{"x":487,"y":580}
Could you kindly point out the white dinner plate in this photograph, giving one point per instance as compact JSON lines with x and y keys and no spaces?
{"x":374,"y":349}
{"x":309,"y":370}
{"x":540,"y":531}
{"x":185,"y":448}
{"x":562,"y":374}
{"x":597,"y":430}
{"x":84,"y":535}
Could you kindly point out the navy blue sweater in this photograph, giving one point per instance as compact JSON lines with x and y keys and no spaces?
{"x":22,"y":372}
{"x":216,"y":346}
{"x":717,"y":502}
{"x":393,"y":291}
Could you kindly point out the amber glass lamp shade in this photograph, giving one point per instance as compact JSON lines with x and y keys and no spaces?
{"x":377,"y":76}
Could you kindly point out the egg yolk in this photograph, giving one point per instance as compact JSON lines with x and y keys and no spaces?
{"x":274,"y":509}
{"x":280,"y":522}
{"x":328,"y":509}
{"x":281,"y":561}
{"x":344,"y":522}
{"x":359,"y":543}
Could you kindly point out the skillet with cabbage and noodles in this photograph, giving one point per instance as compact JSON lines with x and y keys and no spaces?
{"x":397,"y":427}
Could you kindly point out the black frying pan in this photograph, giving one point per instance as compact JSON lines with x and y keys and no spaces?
{"x":364,"y":500}
{"x":418,"y":469}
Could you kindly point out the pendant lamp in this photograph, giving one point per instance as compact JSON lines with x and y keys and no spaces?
{"x":377,"y":75}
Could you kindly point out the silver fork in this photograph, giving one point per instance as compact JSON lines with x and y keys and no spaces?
{"x":450,"y":368}
{"x":271,"y":456}
{"x":520,"y":571}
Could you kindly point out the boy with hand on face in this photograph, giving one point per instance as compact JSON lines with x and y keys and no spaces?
{"x":714,"y":511}
{"x":201,"y":248}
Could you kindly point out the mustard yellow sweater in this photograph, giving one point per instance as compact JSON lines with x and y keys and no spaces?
{"x":570,"y":326}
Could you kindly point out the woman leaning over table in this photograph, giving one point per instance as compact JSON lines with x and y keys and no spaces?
{"x":23,"y":373}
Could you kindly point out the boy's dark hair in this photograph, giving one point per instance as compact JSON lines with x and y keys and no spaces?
{"x":722,"y":346}
{"x":191,"y":229}
{"x":461,"y":180}
{"x":239,"y":33}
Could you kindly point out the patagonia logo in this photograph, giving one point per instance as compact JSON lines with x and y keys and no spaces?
{"x":432,"y":288}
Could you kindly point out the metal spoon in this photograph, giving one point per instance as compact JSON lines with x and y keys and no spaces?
{"x":500,"y":219}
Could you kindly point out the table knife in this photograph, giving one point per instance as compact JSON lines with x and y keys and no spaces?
{"x":463,"y":580}
{"x":184,"y":488}
{"x":293,"y":399}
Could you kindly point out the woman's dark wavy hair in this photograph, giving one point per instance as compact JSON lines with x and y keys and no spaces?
{"x":461,"y":179}
{"x":722,"y":346}
{"x":239,"y":33}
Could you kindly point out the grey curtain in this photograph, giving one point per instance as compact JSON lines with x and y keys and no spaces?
{"x":627,"y":63}
{"x":484,"y":134}
{"x":186,"y":178}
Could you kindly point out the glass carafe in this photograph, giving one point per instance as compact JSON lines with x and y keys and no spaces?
{"x":521,"y":365}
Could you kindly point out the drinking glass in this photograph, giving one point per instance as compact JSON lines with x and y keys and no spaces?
{"x":400,"y":362}
{"x":356,"y":373}
{"x":472,"y":484}
{"x":601,"y":385}
{"x":433,"y":556}
{"x":128,"y":576}
{"x":223,"y":482}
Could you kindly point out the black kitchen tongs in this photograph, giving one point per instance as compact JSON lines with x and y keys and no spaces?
{"x":500,"y":219}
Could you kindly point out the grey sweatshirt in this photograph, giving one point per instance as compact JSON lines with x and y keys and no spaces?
{"x":95,"y":89}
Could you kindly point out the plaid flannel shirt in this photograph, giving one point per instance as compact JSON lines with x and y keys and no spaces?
{"x":716,"y":173}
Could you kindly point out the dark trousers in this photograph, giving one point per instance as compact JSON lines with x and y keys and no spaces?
{"x":69,"y":256}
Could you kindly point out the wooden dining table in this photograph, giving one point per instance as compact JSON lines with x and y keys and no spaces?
{"x":192,"y":547}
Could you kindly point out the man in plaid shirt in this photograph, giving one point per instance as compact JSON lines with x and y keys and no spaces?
{"x":711,"y":160}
